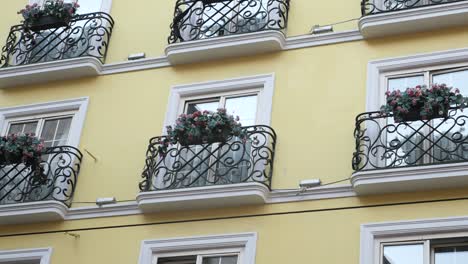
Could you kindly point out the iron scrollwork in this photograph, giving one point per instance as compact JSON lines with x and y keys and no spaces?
{"x":381,"y":143}
{"x":234,"y":161}
{"x":201,"y":19}
{"x":86,"y":35}
{"x":369,"y":7}
{"x":54,"y":179}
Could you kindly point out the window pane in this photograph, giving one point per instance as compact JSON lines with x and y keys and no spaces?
{"x":245,"y":107}
{"x":178,"y":260}
{"x":192,"y":107}
{"x":48,"y":132}
{"x":403,"y":254}
{"x":63,"y":129}
{"x":29,"y":127}
{"x":457,"y":79}
{"x":405,"y":82}
{"x":451,"y":255}
{"x":220,"y":260}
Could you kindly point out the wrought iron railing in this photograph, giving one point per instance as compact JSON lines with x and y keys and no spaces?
{"x":369,"y":7}
{"x":54,"y":179}
{"x":86,"y":35}
{"x":235,"y":161}
{"x":201,"y":19}
{"x":381,"y":143}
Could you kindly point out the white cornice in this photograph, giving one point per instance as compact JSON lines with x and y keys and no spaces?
{"x":56,"y":211}
{"x":414,"y":19}
{"x":411,"y":179}
{"x":308,"y":41}
{"x":89,"y":66}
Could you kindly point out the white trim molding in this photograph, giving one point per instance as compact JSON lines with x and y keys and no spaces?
{"x":426,"y":18}
{"x":49,"y":71}
{"x":33,"y":212}
{"x":38,"y":255}
{"x":88,"y":67}
{"x":416,"y":178}
{"x":78,"y":105}
{"x":222,"y":196}
{"x":225,"y":47}
{"x":265,"y":83}
{"x":247,"y":242}
{"x":373,"y":232}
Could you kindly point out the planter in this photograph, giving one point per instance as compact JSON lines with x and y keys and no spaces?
{"x":47,"y":22}
{"x":414,"y":115}
{"x":201,"y":141}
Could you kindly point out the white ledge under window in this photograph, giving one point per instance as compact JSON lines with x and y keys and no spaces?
{"x":49,"y":71}
{"x":204,"y":197}
{"x":411,"y":178}
{"x":224,"y":47}
{"x":34,"y":212}
{"x":415,"y":19}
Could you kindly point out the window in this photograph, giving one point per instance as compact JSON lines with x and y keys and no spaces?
{"x":430,"y":251}
{"x":54,"y":129}
{"x":200,"y":258}
{"x":420,"y":241}
{"x":436,"y":141}
{"x":26,"y":256}
{"x":218,"y":249}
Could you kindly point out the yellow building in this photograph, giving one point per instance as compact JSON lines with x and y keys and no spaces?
{"x":319,"y":174}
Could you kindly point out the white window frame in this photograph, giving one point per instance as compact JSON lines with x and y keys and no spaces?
{"x":41,"y":255}
{"x":378,"y":69}
{"x":262,"y":85}
{"x":105,"y":6}
{"x":374,"y":234}
{"x":243,"y":244}
{"x":78,"y":106}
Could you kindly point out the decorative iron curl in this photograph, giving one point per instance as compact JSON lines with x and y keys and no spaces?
{"x":230,"y":162}
{"x":370,"y":7}
{"x":382,"y":144}
{"x":53,"y":179}
{"x":86,"y":35}
{"x":201,"y":19}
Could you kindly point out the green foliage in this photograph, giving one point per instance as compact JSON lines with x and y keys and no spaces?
{"x":427,"y":102}
{"x":203,"y":127}
{"x":20,"y":148}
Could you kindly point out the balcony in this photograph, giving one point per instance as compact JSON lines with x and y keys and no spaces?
{"x":407,"y":156}
{"x":222,"y":28}
{"x":65,"y":52}
{"x":389,"y":17}
{"x":43,"y":192}
{"x":209,"y":175}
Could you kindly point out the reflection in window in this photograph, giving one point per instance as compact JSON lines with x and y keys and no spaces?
{"x":403,"y":254}
{"x":451,"y":255}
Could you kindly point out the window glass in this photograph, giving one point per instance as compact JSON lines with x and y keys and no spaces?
{"x":451,"y":255}
{"x":21,"y":128}
{"x":245,"y":107}
{"x":178,"y":260}
{"x":456,"y":79}
{"x":55,"y":132}
{"x":220,"y":260}
{"x":403,"y":254}
{"x":402,"y":83}
{"x":211,"y":105}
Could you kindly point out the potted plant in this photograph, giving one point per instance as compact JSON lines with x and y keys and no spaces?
{"x":51,"y":14}
{"x":422,"y":103}
{"x":202,"y":127}
{"x":22,"y":148}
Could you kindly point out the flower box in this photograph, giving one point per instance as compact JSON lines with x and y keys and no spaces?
{"x":415,"y":114}
{"x":421,"y":103}
{"x":47,"y":22}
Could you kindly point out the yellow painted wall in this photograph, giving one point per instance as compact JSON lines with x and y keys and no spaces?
{"x":318,"y":93}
